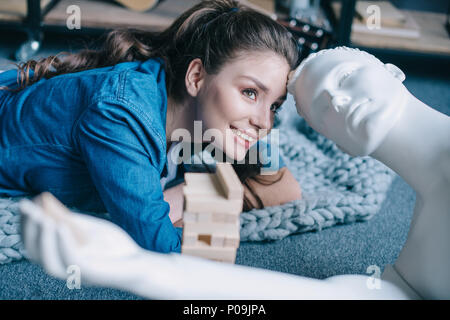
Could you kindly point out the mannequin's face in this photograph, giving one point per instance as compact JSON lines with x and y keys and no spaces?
{"x":244,"y":96}
{"x":350,"y":99}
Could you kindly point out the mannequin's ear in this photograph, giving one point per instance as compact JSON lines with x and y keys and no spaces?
{"x":195,"y":76}
{"x":395,"y":71}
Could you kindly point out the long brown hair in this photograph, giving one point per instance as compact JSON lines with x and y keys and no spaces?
{"x":213,"y":30}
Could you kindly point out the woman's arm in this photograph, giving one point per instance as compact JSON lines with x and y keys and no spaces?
{"x":274,"y":185}
{"x":271,"y":189}
{"x":123,"y":157}
{"x":174,"y":196}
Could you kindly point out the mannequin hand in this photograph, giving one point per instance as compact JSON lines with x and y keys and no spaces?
{"x":98,"y":247}
{"x":107,"y":256}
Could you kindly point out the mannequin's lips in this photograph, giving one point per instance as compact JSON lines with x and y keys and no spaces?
{"x":357,"y":112}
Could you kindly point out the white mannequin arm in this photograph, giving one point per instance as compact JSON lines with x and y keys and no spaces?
{"x":107,"y":256}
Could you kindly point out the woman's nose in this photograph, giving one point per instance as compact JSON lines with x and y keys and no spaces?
{"x":263,"y":119}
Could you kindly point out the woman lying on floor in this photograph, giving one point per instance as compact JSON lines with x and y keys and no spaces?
{"x":95,"y":127}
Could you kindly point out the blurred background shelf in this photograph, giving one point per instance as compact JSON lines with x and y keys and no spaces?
{"x":16,"y":10}
{"x":423,"y":35}
{"x":96,"y":15}
{"x":35,"y":17}
{"x":433,"y":36}
{"x":104,"y":15}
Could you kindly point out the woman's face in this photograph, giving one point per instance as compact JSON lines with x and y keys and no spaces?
{"x":240,"y":102}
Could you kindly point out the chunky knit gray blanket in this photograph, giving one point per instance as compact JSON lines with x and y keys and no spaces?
{"x":336,"y":188}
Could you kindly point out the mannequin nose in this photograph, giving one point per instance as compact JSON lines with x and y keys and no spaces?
{"x":338,"y":100}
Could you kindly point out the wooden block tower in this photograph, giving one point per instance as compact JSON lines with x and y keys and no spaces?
{"x":212,"y":205}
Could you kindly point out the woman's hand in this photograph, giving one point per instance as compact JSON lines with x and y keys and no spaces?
{"x":174,"y":196}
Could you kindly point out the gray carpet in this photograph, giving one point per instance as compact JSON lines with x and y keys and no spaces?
{"x":342,"y":249}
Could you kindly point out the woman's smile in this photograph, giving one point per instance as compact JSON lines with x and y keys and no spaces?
{"x":244,"y":137}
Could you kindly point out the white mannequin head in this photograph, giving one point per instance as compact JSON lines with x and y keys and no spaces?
{"x":349,"y":96}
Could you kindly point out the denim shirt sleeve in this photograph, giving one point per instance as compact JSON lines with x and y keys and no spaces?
{"x":121,"y":154}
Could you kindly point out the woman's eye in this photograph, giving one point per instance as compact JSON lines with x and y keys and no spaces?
{"x":250,"y":93}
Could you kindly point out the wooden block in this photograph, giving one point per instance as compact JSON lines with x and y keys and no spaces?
{"x":204,"y":239}
{"x":190,"y":216}
{"x":232,"y":218}
{"x":231,"y":230}
{"x":210,"y":217}
{"x":233,"y":242}
{"x":193,"y":239}
{"x":189,"y":239}
{"x":217,"y":240}
{"x":224,"y":254}
{"x":229,"y":181}
{"x":218,"y":217}
{"x":213,"y":205}
{"x":205,"y":192}
{"x":202,"y":184}
{"x":204,"y":217}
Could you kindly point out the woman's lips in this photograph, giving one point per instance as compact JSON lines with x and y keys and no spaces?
{"x":241,"y":137}
{"x":242,"y":141}
{"x":246,"y":132}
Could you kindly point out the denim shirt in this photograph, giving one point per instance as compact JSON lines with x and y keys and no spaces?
{"x":96,"y":140}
